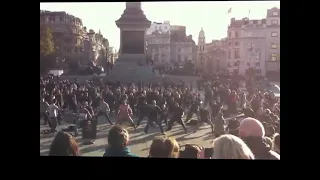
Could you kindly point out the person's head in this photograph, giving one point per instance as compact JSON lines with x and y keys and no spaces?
{"x":54,"y":101}
{"x":231,"y":147}
{"x":267,"y":111}
{"x":191,"y":151}
{"x":248,"y":112}
{"x":276,"y":143}
{"x":250,"y":127}
{"x":154,"y":102}
{"x":85,"y":104}
{"x":118,"y":137}
{"x":268,"y":141}
{"x":64,"y":145}
{"x":164,"y":147}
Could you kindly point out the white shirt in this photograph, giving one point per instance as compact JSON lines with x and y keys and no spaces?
{"x":104,"y":107}
{"x":82,"y":116}
{"x":53,"y":110}
{"x":74,"y":86}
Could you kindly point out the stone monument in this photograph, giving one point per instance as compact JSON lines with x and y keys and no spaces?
{"x":131,"y":64}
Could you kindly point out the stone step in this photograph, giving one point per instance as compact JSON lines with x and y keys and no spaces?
{"x":128,"y":70}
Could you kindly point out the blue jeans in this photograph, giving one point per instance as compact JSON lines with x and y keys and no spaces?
{"x":78,"y":124}
{"x":53,"y":124}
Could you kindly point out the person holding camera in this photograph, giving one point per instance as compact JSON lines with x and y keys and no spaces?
{"x":53,"y":115}
{"x":44,"y":111}
{"x":219,"y":123}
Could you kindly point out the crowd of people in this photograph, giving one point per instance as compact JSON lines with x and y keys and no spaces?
{"x":255,"y":136}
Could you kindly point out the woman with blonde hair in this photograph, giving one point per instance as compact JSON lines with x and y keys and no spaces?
{"x":164,"y":147}
{"x":231,"y":147}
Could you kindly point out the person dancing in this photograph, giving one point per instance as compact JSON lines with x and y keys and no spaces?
{"x":125,"y":113}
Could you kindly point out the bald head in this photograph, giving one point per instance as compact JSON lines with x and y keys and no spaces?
{"x":251,"y":127}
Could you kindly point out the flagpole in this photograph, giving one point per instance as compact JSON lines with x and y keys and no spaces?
{"x":229,"y":12}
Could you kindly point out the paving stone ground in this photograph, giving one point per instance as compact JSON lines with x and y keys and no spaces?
{"x":139,"y":141}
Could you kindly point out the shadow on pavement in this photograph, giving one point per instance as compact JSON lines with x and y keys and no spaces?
{"x":92,"y":149}
{"x":144,"y":139}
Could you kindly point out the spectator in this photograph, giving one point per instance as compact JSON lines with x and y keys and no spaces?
{"x":164,"y":147}
{"x":268,"y":141}
{"x":64,"y":145}
{"x":252,"y":133}
{"x":276,"y":143}
{"x":231,"y":147}
{"x":118,"y":139}
{"x":191,"y":151}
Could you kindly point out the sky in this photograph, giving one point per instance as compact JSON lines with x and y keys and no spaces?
{"x":211,"y":16}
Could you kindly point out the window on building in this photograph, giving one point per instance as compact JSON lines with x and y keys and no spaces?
{"x":237,"y":34}
{"x":275,"y":13}
{"x":229,"y":34}
{"x":67,"y":40}
{"x":274,"y":34}
{"x":179,"y":58}
{"x":248,"y":64}
{"x":274,"y":22}
{"x":274,"y":46}
{"x":185,"y":58}
{"x":179,"y":49}
{"x":274,"y":57}
{"x":236,"y":54}
{"x":236,"y":43}
{"x":257,"y":64}
{"x":230,"y":43}
{"x":229,"y":54}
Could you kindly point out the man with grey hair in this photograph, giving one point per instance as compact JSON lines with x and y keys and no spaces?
{"x":252,"y":132}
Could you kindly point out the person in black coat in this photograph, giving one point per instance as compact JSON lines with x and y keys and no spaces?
{"x":177,"y":115}
{"x":153,"y":114}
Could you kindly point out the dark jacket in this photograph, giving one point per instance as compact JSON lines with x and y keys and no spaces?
{"x":260,"y":149}
{"x":118,"y":152}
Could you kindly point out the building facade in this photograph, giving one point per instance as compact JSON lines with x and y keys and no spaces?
{"x":163,"y":28}
{"x":158,"y":47}
{"x":254,"y":45}
{"x":273,"y":42}
{"x":216,"y":56}
{"x":68,"y":34}
{"x":201,"y":50}
{"x":182,"y":49}
{"x":96,"y":47}
{"x":71,"y":39}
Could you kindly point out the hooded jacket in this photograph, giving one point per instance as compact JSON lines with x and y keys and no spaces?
{"x":118,"y":152}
